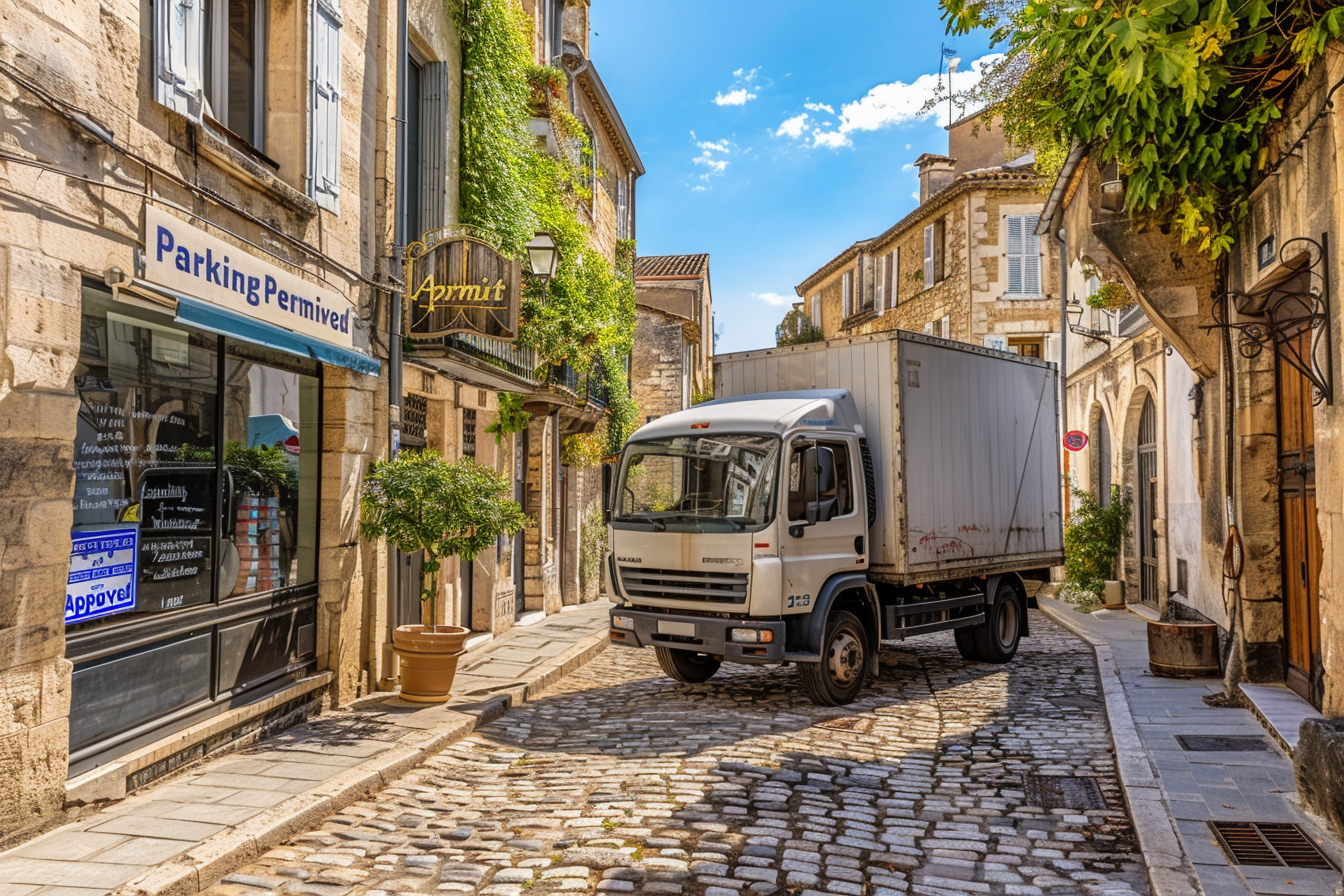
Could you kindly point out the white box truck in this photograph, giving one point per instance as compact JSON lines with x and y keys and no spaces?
{"x":833,"y":496}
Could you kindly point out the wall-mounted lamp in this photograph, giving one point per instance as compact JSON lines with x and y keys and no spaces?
{"x":1074,"y":312}
{"x":543,"y":256}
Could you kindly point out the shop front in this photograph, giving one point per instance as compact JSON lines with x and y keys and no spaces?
{"x":193,"y":584}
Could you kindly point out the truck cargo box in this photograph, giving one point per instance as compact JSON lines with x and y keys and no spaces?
{"x":965,"y":444}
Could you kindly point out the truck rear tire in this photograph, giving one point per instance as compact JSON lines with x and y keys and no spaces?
{"x":839,"y":677}
{"x":686,"y":666}
{"x":997,"y":638}
{"x":966,"y":643}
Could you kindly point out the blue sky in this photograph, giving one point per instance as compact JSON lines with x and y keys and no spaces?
{"x":712,"y":93}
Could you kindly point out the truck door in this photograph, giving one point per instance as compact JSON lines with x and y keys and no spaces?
{"x":830,"y":546}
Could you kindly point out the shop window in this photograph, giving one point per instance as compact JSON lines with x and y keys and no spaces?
{"x":171,"y":510}
{"x":270,"y":465}
{"x":145,"y":499}
{"x":1027,"y":348}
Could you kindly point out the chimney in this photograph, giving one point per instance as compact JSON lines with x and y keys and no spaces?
{"x":935,"y":172}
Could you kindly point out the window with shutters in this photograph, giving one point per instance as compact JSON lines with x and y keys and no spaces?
{"x":178,"y":79}
{"x":1024,"y":255}
{"x":816,"y":310}
{"x":847,"y":293}
{"x":233,"y":66}
{"x":325,"y":105}
{"x":933,"y":253}
{"x":426,"y":146}
{"x":880,"y":292}
{"x":622,"y":208}
{"x":893,"y":296}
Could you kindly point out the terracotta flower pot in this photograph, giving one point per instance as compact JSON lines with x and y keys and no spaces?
{"x":1183,"y":649}
{"x":428,"y":660}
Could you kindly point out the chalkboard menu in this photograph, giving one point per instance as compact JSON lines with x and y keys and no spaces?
{"x":177,"y":535}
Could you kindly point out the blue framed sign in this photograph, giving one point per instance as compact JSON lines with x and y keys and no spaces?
{"x":102,"y":573}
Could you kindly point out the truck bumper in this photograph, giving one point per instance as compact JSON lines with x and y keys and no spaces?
{"x":640,"y":628}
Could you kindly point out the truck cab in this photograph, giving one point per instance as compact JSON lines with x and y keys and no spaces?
{"x":732,"y":522}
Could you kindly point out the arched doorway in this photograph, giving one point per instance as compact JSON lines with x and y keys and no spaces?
{"x":1146,"y":499}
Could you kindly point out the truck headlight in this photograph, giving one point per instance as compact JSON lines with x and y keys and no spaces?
{"x":622,"y":622}
{"x":752,"y":635}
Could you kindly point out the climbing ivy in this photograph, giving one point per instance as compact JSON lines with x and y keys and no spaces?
{"x":1180,"y":94}
{"x":512,"y":189}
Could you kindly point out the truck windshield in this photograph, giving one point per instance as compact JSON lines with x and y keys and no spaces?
{"x":715,"y":483}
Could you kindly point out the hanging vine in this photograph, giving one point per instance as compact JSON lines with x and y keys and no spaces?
{"x":511,"y":188}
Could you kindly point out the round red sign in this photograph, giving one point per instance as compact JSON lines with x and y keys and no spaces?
{"x":1075,"y":440}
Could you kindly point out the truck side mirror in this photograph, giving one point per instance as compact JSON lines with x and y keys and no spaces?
{"x":818,"y":480}
{"x":608,"y":478}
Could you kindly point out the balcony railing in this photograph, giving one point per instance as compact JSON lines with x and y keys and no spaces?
{"x":521,"y":362}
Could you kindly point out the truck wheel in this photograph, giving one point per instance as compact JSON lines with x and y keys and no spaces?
{"x":685,"y":666}
{"x":997,"y":638}
{"x":966,"y":643}
{"x":839,"y":677}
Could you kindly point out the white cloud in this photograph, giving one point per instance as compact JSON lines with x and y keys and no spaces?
{"x":830,"y":139}
{"x":746,"y":75}
{"x":699,"y":188}
{"x":713,"y":146}
{"x":713,"y":155}
{"x":914,"y":194}
{"x":739,"y":97}
{"x":792,"y":127}
{"x":885,"y":105}
{"x":715,"y":166}
{"x":774,"y":298}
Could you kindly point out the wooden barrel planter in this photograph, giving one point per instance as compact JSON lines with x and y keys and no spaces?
{"x":1183,"y":649}
{"x":428,"y":660}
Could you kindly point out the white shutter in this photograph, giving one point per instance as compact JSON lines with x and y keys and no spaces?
{"x":816,"y":311}
{"x":1014,"y":255}
{"x":928,"y":256}
{"x":1050,"y":351}
{"x":895,"y":279}
{"x":177,"y":56}
{"x":847,"y":293}
{"x":325,"y":107}
{"x":945,"y":327}
{"x":1031,"y":256}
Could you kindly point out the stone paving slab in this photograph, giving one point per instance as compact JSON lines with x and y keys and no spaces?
{"x":618,"y":780}
{"x":183,"y":834}
{"x":1174,"y":793}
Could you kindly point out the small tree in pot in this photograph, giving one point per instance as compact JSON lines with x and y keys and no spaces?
{"x":420,"y":502}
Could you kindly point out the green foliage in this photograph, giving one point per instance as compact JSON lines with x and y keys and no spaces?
{"x":1178,"y":93}
{"x":622,"y":410}
{"x":512,"y":418}
{"x":1110,"y":296}
{"x":498,"y":186}
{"x":797,"y":329}
{"x":420,"y":502}
{"x":262,"y":470}
{"x":700,"y":396}
{"x":592,"y":549}
{"x":1092,"y":541}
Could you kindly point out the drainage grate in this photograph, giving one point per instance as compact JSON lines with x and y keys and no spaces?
{"x":1060,"y":792}
{"x":847,"y":723}
{"x":1261,"y":843}
{"x":1224,"y":743}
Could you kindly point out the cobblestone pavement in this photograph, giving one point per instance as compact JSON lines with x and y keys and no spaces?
{"x":620,"y":781}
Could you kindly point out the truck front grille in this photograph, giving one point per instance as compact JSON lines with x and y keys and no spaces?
{"x":679,"y":584}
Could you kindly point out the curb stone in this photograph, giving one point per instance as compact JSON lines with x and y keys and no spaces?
{"x":218,"y":855}
{"x":1170,"y":872}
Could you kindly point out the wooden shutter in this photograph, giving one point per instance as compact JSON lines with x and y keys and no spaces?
{"x":928,"y":257}
{"x":325,"y":107}
{"x":816,"y":311}
{"x":177,"y":56}
{"x":847,"y":293}
{"x":894,"y":280}
{"x":433,"y":146}
{"x":1014,"y":255}
{"x":1031,"y":256}
{"x":880,"y":293}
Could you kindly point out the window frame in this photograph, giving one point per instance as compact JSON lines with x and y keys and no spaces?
{"x":324,"y":190}
{"x":215,"y":68}
{"x":1027,"y":258}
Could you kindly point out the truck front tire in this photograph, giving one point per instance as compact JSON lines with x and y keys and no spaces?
{"x":686,"y":666}
{"x":839,"y":677}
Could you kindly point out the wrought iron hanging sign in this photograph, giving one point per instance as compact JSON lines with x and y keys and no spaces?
{"x":1292,"y":316}
{"x":460,"y":284}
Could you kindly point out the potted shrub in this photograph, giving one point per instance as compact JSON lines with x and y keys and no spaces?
{"x":1092,"y":544}
{"x":420,"y":502}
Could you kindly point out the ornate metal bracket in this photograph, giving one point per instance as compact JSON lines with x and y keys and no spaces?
{"x":1286,"y":313}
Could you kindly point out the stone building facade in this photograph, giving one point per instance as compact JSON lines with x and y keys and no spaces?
{"x":198,"y":263}
{"x":670,"y":368}
{"x":964,"y":264}
{"x":1261,"y":339}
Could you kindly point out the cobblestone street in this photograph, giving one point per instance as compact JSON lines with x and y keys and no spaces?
{"x":620,"y":781}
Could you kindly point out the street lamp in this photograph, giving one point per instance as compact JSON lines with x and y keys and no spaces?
{"x":1074,"y":311}
{"x":543,"y":257}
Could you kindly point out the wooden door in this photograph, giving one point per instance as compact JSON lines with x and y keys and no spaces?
{"x":1300,"y":551}
{"x":1146,"y":489}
